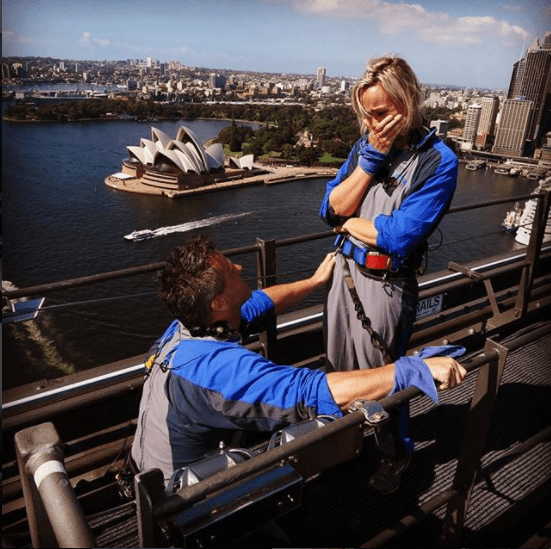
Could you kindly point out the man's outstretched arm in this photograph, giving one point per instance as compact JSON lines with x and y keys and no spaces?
{"x":375,"y":384}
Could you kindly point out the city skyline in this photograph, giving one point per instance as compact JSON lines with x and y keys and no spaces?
{"x":473,"y":44}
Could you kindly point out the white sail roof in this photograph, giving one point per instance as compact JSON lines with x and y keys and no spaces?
{"x":137,"y":152}
{"x":150,"y":148}
{"x":189,"y":154}
{"x":215,"y":155}
{"x":185,"y":152}
{"x":245,"y":162}
{"x":171,"y":155}
{"x":181,"y":136}
{"x":160,"y":136}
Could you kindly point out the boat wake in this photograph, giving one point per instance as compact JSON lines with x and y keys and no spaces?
{"x":145,"y":234}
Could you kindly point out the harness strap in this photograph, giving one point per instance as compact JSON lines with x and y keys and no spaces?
{"x":376,"y":340}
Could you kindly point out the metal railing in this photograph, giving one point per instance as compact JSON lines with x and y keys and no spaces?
{"x":43,"y":494}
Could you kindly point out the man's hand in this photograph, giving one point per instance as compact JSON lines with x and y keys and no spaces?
{"x":325,"y":270}
{"x":446,"y":371}
{"x":286,"y":295}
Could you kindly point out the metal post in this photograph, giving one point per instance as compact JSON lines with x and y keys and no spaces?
{"x":532,"y":253}
{"x":266,"y":276}
{"x":266,"y":265}
{"x":55,"y":516}
{"x":474,"y":442}
{"x":149,"y":488}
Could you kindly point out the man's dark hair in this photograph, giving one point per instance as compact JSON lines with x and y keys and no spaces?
{"x":189,"y":282}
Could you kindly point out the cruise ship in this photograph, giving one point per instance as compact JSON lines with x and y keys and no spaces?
{"x":526,"y":222}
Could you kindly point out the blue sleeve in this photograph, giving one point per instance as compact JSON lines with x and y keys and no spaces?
{"x":257,"y":305}
{"x":326,"y":211}
{"x":257,"y":315}
{"x":252,"y":391}
{"x":411,"y":371}
{"x":402,"y":231}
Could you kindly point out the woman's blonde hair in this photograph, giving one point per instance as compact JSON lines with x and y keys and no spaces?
{"x":400,"y":83}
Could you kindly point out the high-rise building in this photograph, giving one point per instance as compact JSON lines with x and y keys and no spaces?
{"x":441,"y":128}
{"x":320,"y":77}
{"x":531,"y":81}
{"x":513,"y":127}
{"x":217,"y":81}
{"x":471,"y":124}
{"x":487,"y":124}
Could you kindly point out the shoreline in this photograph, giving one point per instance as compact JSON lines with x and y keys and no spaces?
{"x":277,"y":176}
{"x":114,"y":119}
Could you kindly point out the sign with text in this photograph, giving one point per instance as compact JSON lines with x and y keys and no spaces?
{"x":430,"y":306}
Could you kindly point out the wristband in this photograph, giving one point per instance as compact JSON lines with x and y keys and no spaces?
{"x":370,"y":158}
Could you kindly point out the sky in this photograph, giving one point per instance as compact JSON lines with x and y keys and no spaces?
{"x":470,"y":43}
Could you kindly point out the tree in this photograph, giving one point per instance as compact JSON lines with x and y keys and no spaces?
{"x":307,"y":155}
{"x":287,"y":151}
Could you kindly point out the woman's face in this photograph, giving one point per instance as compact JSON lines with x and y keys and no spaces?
{"x":378,"y":105}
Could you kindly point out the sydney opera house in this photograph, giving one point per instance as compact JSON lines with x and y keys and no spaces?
{"x":176,"y":164}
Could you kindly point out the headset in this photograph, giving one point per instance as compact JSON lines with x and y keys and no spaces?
{"x":221,"y":331}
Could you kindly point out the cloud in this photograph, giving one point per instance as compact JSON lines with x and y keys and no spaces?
{"x":427,"y":26}
{"x":86,"y":39}
{"x":102,"y":41}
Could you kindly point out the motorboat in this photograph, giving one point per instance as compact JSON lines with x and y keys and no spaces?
{"x":502,"y":171}
{"x":475,"y":165}
{"x":143,"y":234}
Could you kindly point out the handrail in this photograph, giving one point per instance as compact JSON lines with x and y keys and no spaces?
{"x":255,"y":248}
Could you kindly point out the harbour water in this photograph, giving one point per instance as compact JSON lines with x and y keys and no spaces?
{"x":60,"y":221}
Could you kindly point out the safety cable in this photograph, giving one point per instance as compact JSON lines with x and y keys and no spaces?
{"x":93,"y":301}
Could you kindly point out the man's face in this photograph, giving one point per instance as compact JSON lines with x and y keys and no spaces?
{"x":236,"y":290}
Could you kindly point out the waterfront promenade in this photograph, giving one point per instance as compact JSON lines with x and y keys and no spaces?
{"x":231,"y":179}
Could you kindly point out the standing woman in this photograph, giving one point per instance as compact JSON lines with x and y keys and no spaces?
{"x":386,"y":200}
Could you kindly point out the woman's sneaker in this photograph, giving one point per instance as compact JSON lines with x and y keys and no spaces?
{"x":386,"y":479}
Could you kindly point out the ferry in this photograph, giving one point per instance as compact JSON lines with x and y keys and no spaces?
{"x":512,"y":220}
{"x":475,"y":165}
{"x":480,"y":475}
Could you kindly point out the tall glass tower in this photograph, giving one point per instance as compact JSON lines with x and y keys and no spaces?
{"x":531,"y":81}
